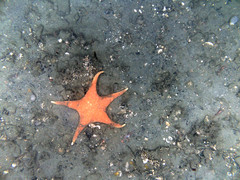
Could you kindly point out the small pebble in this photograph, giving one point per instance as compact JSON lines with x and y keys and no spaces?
{"x":5,"y":172}
{"x":61,"y":151}
{"x":118,"y":173}
{"x":33,"y":97}
{"x":233,"y":20}
{"x":14,"y":165}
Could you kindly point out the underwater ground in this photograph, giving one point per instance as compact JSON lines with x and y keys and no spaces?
{"x":179,"y":59}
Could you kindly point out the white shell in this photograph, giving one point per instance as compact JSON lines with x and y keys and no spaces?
{"x":233,"y":20}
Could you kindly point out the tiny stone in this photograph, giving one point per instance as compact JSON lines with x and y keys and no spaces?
{"x":5,"y":172}
{"x":61,"y":151}
{"x":33,"y":97}
{"x":14,"y":165}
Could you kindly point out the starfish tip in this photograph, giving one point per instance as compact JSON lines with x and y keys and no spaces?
{"x":100,"y":72}
{"x":122,"y":126}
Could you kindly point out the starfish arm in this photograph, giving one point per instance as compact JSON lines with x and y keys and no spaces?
{"x":108,"y":99}
{"x":93,"y":88}
{"x":77,"y":132}
{"x":115,"y":95}
{"x":70,"y":104}
{"x":106,"y":120}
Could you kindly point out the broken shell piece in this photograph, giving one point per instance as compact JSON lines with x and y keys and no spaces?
{"x":208,"y":43}
{"x":94,"y":126}
{"x":145,"y":160}
{"x":233,"y":20}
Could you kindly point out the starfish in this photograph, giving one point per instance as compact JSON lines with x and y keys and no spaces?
{"x":92,"y":107}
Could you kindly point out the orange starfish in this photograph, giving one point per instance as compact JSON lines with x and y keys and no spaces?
{"x":92,"y":107}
